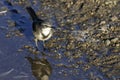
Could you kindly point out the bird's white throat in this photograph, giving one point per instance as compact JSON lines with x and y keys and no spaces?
{"x":46,"y":31}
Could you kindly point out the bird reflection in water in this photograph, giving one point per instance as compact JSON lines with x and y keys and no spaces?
{"x":41,"y":68}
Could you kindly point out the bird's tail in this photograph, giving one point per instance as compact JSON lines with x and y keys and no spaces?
{"x":32,"y":13}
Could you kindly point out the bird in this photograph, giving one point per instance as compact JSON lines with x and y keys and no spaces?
{"x":42,"y":30}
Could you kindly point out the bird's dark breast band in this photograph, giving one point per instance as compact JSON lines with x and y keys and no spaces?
{"x":45,"y":36}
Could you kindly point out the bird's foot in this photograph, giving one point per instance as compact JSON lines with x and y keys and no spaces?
{"x":44,"y":49}
{"x":36,"y":48}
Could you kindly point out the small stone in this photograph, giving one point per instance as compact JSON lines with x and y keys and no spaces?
{"x":8,"y":35}
{"x":112,"y":28}
{"x":108,"y":42}
{"x":67,"y":54}
{"x":58,"y":56}
{"x":117,"y":45}
{"x":20,"y":34}
{"x":114,"y":18}
{"x":34,"y":51}
{"x":3,"y":10}
{"x":20,"y":50}
{"x":11,"y":23}
{"x":114,"y":40}
{"x":102,"y":22}
{"x":30,"y":49}
{"x":26,"y":46}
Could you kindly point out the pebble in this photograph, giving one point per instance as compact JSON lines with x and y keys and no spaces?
{"x":114,"y":18}
{"x":108,"y":42}
{"x":102,"y":22}
{"x":115,"y":40}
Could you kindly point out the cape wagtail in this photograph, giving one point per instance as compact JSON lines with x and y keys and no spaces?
{"x":41,"y":30}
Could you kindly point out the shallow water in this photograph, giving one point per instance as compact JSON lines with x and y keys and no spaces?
{"x":85,"y":44}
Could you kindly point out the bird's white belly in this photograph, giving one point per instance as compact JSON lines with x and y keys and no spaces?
{"x":41,"y":37}
{"x":46,"y":31}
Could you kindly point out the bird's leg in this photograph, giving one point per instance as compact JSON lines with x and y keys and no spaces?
{"x":44,"y":45}
{"x":36,"y":43}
